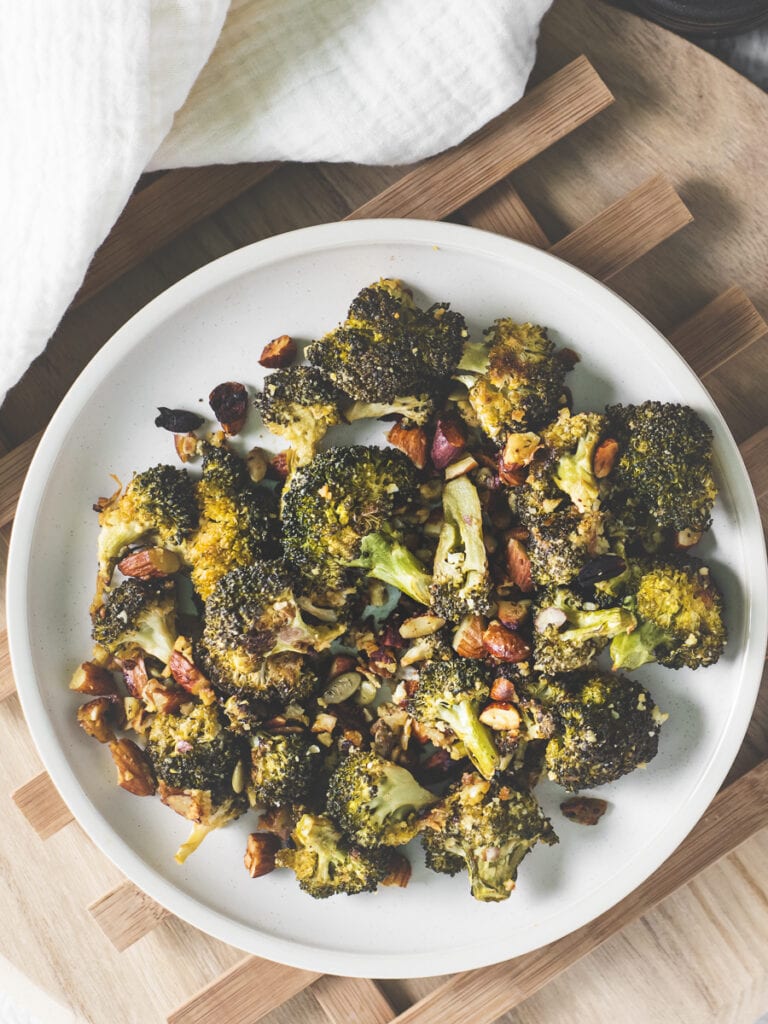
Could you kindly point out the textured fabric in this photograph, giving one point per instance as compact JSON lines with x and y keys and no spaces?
{"x":89,"y":90}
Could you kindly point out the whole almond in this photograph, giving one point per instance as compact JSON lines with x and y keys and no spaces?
{"x":519,"y":565}
{"x":500,"y":716}
{"x":605,"y":457}
{"x":504,"y":645}
{"x":279,"y":353}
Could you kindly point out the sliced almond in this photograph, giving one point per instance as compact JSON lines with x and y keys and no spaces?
{"x":150,"y":564}
{"x":412,"y":441}
{"x":421,"y":625}
{"x":461,"y":467}
{"x":279,"y":353}
{"x":605,"y":457}
{"x":501,"y":717}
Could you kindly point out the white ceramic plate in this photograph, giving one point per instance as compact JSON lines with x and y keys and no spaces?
{"x":211,"y":327}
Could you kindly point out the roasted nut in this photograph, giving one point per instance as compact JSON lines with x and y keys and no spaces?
{"x":510,"y":477}
{"x":519,"y":449}
{"x":513,"y":614}
{"x":150,"y":564}
{"x":187,"y":446}
{"x":419,"y":733}
{"x":468,"y":638}
{"x":421,"y":625}
{"x":134,"y":772}
{"x":383,"y":662}
{"x":178,"y":421}
{"x":94,"y":679}
{"x":186,"y":674}
{"x":685,"y":539}
{"x":342,"y":687}
{"x":449,"y":441}
{"x":504,"y":645}
{"x":519,"y":533}
{"x":278,"y":353}
{"x":229,"y":402}
{"x":279,"y":466}
{"x":256,"y":464}
{"x":503,"y":689}
{"x":605,"y":457}
{"x":260,"y":854}
{"x":340,"y":664}
{"x":98,"y":717}
{"x":518,"y":565}
{"x":135,"y":675}
{"x":412,"y":441}
{"x":278,"y":822}
{"x":399,"y":872}
{"x":584,"y":810}
{"x":157,"y":696}
{"x":324,"y":723}
{"x":461,"y":467}
{"x":501,"y":717}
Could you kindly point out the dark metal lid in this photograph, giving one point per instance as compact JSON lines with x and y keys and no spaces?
{"x":704,"y":17}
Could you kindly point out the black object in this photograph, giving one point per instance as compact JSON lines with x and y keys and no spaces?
{"x":703,"y":17}
{"x":179,"y":421}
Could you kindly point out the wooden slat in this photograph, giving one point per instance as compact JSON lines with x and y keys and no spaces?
{"x":718,"y":331}
{"x":755,"y":454}
{"x":245,"y":994}
{"x":502,"y":211}
{"x":126,"y":914}
{"x":7,"y":682}
{"x":13,"y":469}
{"x":352,"y":1000}
{"x":162,"y":211}
{"x":483,"y":995}
{"x":442,"y":184}
{"x":40,"y":803}
{"x":626,"y":230}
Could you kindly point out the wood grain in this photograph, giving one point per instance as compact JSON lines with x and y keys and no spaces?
{"x":502,"y":210}
{"x":626,"y":230}
{"x":352,"y":1000}
{"x":7,"y":682}
{"x":245,"y":994}
{"x":442,"y":184}
{"x":719,"y":331}
{"x":13,"y":469}
{"x":126,"y":914}
{"x":40,"y":803}
{"x":755,"y":455}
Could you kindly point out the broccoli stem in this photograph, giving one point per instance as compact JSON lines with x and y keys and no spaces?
{"x":492,"y":881}
{"x":476,"y":737}
{"x":391,"y":562}
{"x":398,"y":795}
{"x":474,"y":358}
{"x":607,"y":622}
{"x":631,"y":650}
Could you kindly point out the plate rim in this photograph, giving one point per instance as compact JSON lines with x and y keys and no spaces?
{"x":303,"y":241}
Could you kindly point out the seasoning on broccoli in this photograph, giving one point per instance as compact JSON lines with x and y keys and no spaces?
{"x":560,"y":544}
{"x":375,"y":802}
{"x":283,"y":768}
{"x":447,"y":702}
{"x":461,"y":582}
{"x":570,"y":632}
{"x":607,"y":726}
{"x":564,"y":463}
{"x":299,"y":404}
{"x":488,"y":828}
{"x":137,"y":613}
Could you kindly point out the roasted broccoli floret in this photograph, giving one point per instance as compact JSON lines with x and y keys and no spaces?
{"x":283,"y":768}
{"x":387,"y":349}
{"x":158,"y":504}
{"x":413,"y":409}
{"x":138,"y":613}
{"x":253,"y":618}
{"x":606,"y":727}
{"x":376,"y":802}
{"x":387,"y":559}
{"x":343,"y":495}
{"x":447,"y":702}
{"x":561,"y":543}
{"x":564,"y":464}
{"x":515,"y":378}
{"x":461,"y":582}
{"x":326,"y":863}
{"x":680,"y":614}
{"x":299,"y":404}
{"x":238,"y":521}
{"x":201,"y":770}
{"x":487,"y":828}
{"x":665,"y":462}
{"x":570,"y":632}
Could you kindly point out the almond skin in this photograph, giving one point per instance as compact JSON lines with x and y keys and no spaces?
{"x":504,"y":645}
{"x":605,"y":457}
{"x":468,"y":638}
{"x":278,"y":353}
{"x":519,"y":565}
{"x":584,"y":810}
{"x":412,"y":441}
{"x":503,"y":690}
{"x":94,"y":679}
{"x":449,"y":441}
{"x":260,"y":854}
{"x":150,"y":564}
{"x":134,"y":772}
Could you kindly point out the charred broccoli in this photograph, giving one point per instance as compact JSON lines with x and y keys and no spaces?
{"x":376,"y":802}
{"x":299,"y":404}
{"x":570,"y":632}
{"x":461,"y":582}
{"x":283,"y":768}
{"x":200,"y":767}
{"x":560,"y":544}
{"x":606,"y":727}
{"x":447,"y":702}
{"x":564,"y":464}
{"x":487,"y":828}
{"x":138,"y":613}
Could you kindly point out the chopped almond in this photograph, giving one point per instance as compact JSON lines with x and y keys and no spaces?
{"x":605,"y":457}
{"x":150,"y":564}
{"x":279,"y":353}
{"x":505,"y":645}
{"x":412,"y":441}
{"x":134,"y":772}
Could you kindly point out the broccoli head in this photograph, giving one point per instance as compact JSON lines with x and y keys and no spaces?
{"x":343,"y":495}
{"x":300,"y":404}
{"x":564,"y":463}
{"x":447,"y":702}
{"x":461,"y":582}
{"x":488,"y":828}
{"x":570,"y":632}
{"x":326,"y":864}
{"x":515,"y":379}
{"x":158,"y":503}
{"x":137,"y":613}
{"x":283,"y":768}
{"x":561,"y":543}
{"x":200,"y":767}
{"x":606,"y":727}
{"x":376,"y":802}
{"x":665,"y":462}
{"x":680,"y":613}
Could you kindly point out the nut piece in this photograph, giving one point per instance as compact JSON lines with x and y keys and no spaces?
{"x":518,"y":451}
{"x":256,"y":463}
{"x":605,"y":457}
{"x":98,"y":716}
{"x":468,"y":638}
{"x":260,"y":854}
{"x":94,"y":679}
{"x":513,"y":614}
{"x":501,"y":717}
{"x":504,"y":645}
{"x":229,"y":402}
{"x":279,"y":465}
{"x":150,"y":564}
{"x":461,"y":467}
{"x":134,"y":772}
{"x":324,"y":723}
{"x":519,"y":565}
{"x":187,"y":675}
{"x":584,"y":810}
{"x":503,"y":689}
{"x":399,"y":873}
{"x":186,"y":445}
{"x":421,"y":625}
{"x":383,"y":662}
{"x":449,"y":441}
{"x":412,"y":441}
{"x":685,"y":539}
{"x":278,"y":353}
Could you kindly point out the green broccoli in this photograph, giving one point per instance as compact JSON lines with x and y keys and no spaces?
{"x":680,"y":613}
{"x":299,"y":404}
{"x":665,"y":462}
{"x":570,"y":632}
{"x":200,"y":767}
{"x":447,"y":702}
{"x":488,"y":828}
{"x":376,"y":802}
{"x":606,"y":727}
{"x":390,"y":561}
{"x":461,"y":582}
{"x":137,"y":613}
{"x":515,"y":379}
{"x":326,"y":864}
{"x":415,"y":409}
{"x":562,"y":543}
{"x":565,"y":463}
{"x":283,"y":768}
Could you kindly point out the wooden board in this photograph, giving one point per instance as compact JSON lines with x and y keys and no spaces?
{"x":614,"y":195}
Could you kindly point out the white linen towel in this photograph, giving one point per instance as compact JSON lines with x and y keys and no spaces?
{"x":93,"y":92}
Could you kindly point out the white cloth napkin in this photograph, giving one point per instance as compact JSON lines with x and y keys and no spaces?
{"x":93,"y":92}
